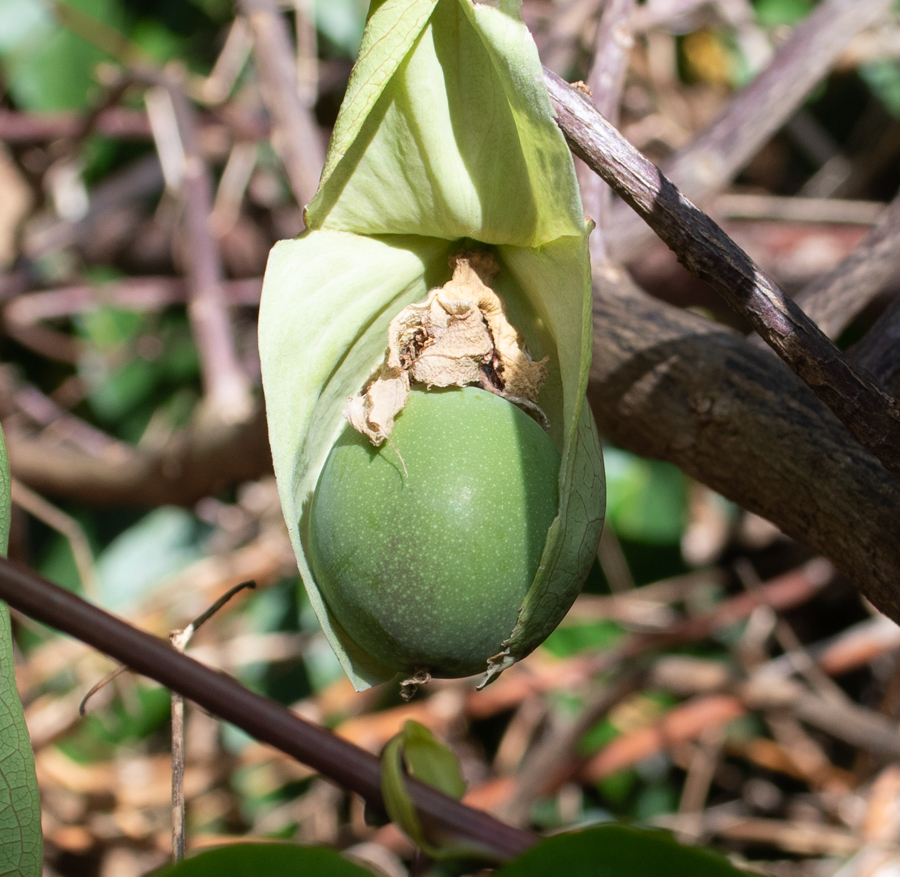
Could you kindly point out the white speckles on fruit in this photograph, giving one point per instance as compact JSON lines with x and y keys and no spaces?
{"x":428,"y":569}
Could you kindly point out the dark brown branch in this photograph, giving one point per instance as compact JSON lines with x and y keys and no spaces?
{"x":669,"y":384}
{"x":342,"y":762}
{"x":713,"y":158}
{"x":835,"y":299}
{"x":296,"y":135}
{"x":709,"y":254}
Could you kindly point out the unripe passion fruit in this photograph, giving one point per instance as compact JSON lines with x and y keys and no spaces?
{"x":426,"y":569}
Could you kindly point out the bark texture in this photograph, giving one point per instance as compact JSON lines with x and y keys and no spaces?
{"x":668,"y":384}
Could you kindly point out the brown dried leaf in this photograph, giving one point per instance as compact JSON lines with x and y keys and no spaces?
{"x":459,"y":336}
{"x":372,"y":413}
{"x":460,"y":344}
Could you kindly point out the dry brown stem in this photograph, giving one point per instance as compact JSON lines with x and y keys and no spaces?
{"x":877,"y":351}
{"x":202,"y":460}
{"x":834,"y":299}
{"x":224,"y":381}
{"x":612,"y":49}
{"x":296,"y":134}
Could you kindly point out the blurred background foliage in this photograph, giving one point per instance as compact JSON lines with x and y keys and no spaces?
{"x":114,"y":371}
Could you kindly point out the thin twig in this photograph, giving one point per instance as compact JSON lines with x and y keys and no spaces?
{"x":122,"y":123}
{"x":179,"y":810}
{"x":681,"y":724}
{"x":877,"y":351}
{"x":801,"y":661}
{"x":612,"y":48}
{"x":564,"y":32}
{"x":232,"y":185}
{"x":117,"y":123}
{"x":296,"y":135}
{"x":98,"y":686}
{"x":700,"y":773}
{"x":834,"y":299}
{"x":180,"y":640}
{"x":664,"y":12}
{"x":613,"y":562}
{"x":846,"y":721}
{"x":782,"y":208}
{"x":66,"y":526}
{"x":231,"y":60}
{"x":708,"y":253}
{"x":307,"y":51}
{"x":768,"y":688}
{"x":267,"y":721}
{"x":99,"y":33}
{"x":130,"y":293}
{"x":555,"y":761}
{"x":225,"y":382}
{"x":792,"y":589}
{"x":195,"y":463}
{"x":712,"y":159}
{"x":54,"y":418}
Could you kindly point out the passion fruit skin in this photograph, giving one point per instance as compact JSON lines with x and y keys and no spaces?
{"x":427,"y":568}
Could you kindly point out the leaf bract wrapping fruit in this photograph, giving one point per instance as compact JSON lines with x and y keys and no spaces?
{"x":445,"y":142}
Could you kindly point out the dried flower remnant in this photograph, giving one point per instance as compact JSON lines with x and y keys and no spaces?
{"x":458,"y":337}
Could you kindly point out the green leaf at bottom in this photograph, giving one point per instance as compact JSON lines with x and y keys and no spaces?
{"x":618,"y":851}
{"x":269,"y":859}
{"x":20,"y":806}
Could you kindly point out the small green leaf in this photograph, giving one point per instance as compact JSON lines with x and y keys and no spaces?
{"x":416,"y":752}
{"x":428,"y":760}
{"x":160,"y":544}
{"x":47,"y":67}
{"x":270,"y":859}
{"x":570,"y":639}
{"x":397,"y":800}
{"x":20,"y":806}
{"x":883,"y":79}
{"x":342,"y":22}
{"x":776,"y":13}
{"x":617,"y":851}
{"x":647,"y":499}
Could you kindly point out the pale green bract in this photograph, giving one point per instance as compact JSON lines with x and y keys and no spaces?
{"x":446,"y":137}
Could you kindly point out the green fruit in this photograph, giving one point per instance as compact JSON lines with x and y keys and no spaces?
{"x":427,"y":568}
